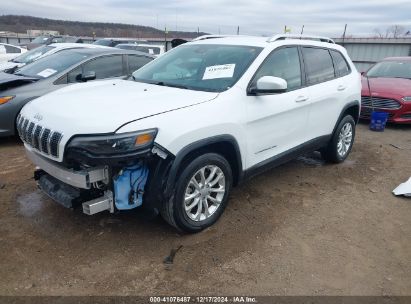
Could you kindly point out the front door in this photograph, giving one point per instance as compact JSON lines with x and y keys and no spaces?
{"x":277,"y":123}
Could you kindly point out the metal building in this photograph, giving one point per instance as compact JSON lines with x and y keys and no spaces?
{"x":364,"y":52}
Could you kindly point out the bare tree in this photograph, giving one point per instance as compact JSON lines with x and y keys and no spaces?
{"x":395,"y":31}
{"x":378,"y":33}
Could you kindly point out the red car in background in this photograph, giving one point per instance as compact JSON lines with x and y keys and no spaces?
{"x":388,"y":89}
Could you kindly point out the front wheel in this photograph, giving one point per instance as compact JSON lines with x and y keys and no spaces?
{"x":201,"y":194}
{"x":341,"y":142}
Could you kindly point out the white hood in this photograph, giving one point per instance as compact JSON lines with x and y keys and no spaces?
{"x":103,"y":106}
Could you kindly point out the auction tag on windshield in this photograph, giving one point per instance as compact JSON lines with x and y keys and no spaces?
{"x":46,"y":73}
{"x":219,"y":71}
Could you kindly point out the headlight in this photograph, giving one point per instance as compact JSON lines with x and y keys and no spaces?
{"x":407,"y":99}
{"x":115,"y":144}
{"x":4,"y":99}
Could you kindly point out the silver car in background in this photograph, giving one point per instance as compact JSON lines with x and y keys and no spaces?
{"x":40,"y":52}
{"x":59,"y":70}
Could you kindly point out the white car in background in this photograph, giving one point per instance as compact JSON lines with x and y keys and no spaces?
{"x":9,"y":51}
{"x":155,"y":50}
{"x":40,"y":52}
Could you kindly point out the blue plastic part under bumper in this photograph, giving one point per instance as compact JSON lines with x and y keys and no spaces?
{"x":129,"y":187}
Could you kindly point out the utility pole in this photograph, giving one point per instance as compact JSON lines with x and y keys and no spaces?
{"x":238,"y":30}
{"x":343,"y":37}
{"x":165,"y":38}
{"x":302,"y":30}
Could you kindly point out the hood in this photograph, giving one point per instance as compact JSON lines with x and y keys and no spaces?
{"x":104,"y":106}
{"x":8,"y":81}
{"x":387,"y":86}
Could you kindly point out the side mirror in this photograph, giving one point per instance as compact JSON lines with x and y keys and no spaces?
{"x":269,"y":84}
{"x":362,"y":73}
{"x":91,"y":75}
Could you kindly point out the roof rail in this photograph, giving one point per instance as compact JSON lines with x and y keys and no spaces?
{"x":301,"y":37}
{"x":205,"y":37}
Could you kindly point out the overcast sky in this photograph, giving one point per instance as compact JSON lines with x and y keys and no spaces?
{"x":257,"y":17}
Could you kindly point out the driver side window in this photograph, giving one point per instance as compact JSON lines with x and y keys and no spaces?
{"x":283,"y":63}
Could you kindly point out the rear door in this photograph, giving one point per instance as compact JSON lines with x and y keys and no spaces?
{"x":277,"y":122}
{"x":324,"y":89}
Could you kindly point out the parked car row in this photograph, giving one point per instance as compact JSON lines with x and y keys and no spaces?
{"x":59,"y":66}
{"x":175,"y":134}
{"x":49,"y":39}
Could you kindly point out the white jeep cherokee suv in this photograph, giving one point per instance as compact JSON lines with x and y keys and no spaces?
{"x":191,"y":124}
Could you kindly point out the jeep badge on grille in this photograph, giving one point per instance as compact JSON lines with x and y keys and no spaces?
{"x":38,"y":116}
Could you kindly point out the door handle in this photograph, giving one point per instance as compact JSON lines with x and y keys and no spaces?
{"x":341,"y":87}
{"x":301,"y":99}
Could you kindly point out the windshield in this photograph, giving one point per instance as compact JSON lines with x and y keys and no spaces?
{"x":32,"y":55}
{"x":51,"y":65}
{"x":40,"y":39}
{"x":391,"y":69}
{"x":104,"y":42}
{"x":204,"y":67}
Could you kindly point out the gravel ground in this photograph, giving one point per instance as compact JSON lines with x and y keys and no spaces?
{"x":305,"y":228}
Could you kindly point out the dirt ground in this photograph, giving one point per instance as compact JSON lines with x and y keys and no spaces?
{"x":305,"y":228}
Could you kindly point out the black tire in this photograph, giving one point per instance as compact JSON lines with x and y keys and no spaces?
{"x":174,"y":212}
{"x":330,"y":153}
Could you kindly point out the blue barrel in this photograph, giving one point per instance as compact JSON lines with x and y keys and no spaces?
{"x":378,"y":121}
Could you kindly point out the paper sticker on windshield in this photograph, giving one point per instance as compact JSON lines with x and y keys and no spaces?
{"x":219,"y":71}
{"x":46,"y":73}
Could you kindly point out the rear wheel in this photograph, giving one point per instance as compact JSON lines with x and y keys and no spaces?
{"x":341,"y":143}
{"x":200,"y":195}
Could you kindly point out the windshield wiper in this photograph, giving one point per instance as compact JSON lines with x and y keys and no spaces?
{"x":172,"y":85}
{"x":19,"y":74}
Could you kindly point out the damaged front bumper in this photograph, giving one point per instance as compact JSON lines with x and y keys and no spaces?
{"x":79,"y":179}
{"x":100,"y":187}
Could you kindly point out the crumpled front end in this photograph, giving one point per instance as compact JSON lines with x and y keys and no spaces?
{"x":104,"y":184}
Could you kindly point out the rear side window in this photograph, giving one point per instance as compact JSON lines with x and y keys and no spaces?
{"x":318,"y":65}
{"x":12,"y":50}
{"x":283,"y":63}
{"x":105,"y":67}
{"x":340,"y":64}
{"x":136,"y":62}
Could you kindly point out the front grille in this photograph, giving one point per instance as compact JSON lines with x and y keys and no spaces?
{"x":380,"y":103}
{"x":366,"y":113}
{"x":42,"y":139}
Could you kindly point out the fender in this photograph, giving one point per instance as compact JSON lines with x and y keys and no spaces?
{"x":347,"y":106}
{"x":203,"y":143}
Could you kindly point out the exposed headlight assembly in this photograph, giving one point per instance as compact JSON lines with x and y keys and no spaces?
{"x":116,"y":143}
{"x":407,"y":99}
